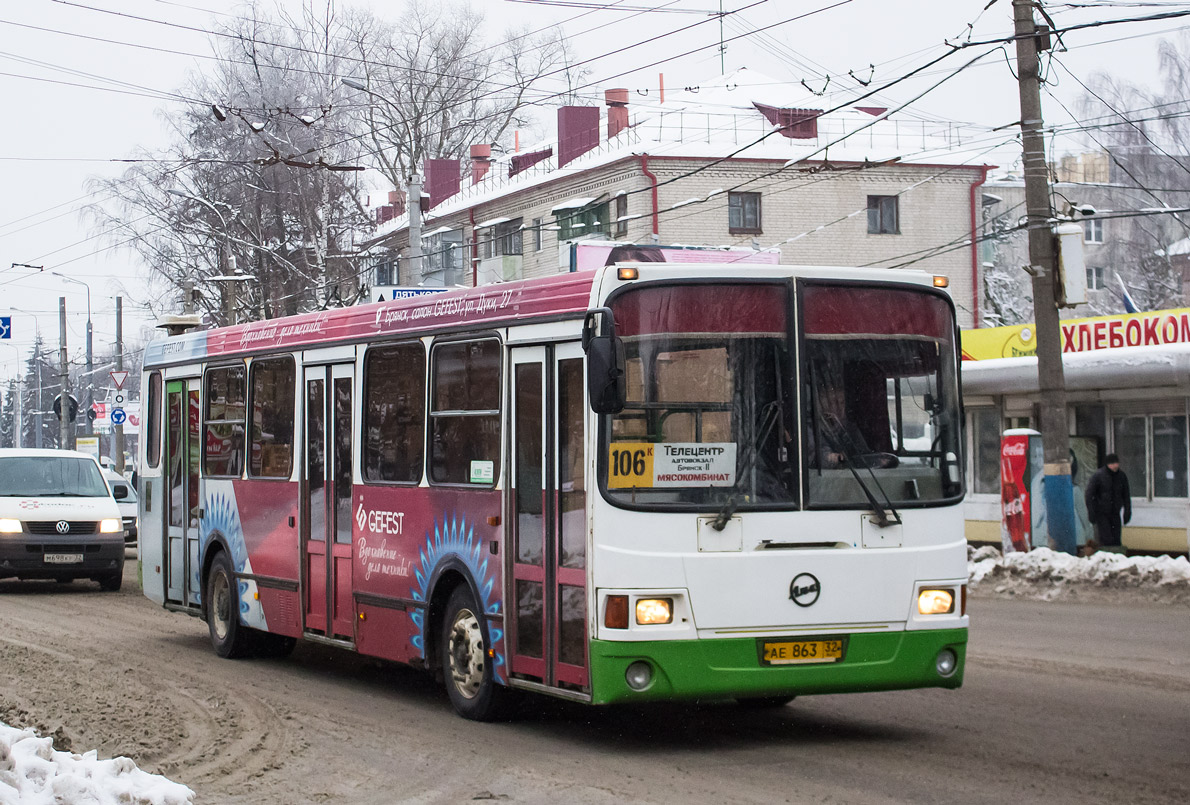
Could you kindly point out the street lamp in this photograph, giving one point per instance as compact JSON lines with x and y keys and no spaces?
{"x":90,"y":362}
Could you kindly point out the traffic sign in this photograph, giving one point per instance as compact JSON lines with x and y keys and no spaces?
{"x":118,"y":378}
{"x":118,"y":416}
{"x":5,"y":326}
{"x":72,"y":407}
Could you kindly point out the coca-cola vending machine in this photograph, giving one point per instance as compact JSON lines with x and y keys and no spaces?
{"x":1017,"y":509}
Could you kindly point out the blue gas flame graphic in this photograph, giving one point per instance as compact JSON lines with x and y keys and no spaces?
{"x":455,"y":538}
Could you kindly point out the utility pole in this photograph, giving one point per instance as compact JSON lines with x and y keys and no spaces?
{"x":1055,"y":439}
{"x":64,"y":368}
{"x":413,"y":205}
{"x":118,"y":430}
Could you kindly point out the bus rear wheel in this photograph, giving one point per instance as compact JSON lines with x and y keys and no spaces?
{"x":229,"y":638}
{"x":466,"y":666}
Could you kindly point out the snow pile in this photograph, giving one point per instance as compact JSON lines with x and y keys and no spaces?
{"x":1050,"y":574}
{"x":32,"y":772}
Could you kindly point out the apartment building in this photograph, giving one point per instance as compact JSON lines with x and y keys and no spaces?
{"x":741,"y":163}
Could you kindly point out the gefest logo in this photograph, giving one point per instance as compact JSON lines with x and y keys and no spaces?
{"x":379,"y":521}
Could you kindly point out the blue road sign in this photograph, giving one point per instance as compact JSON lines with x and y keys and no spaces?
{"x":119,"y":417}
{"x":5,"y":326}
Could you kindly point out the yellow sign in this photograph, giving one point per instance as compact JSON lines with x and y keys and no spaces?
{"x":630,"y":465}
{"x":1082,"y":335}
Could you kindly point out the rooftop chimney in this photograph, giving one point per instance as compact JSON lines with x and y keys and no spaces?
{"x":617,"y":111}
{"x":578,"y":132}
{"x":481,"y":161}
{"x":442,"y":179}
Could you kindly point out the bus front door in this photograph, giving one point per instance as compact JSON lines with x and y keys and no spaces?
{"x":547,"y":502}
{"x":326,"y":502}
{"x":183,"y":449}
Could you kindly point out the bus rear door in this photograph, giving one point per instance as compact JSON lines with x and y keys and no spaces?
{"x":326,"y":501}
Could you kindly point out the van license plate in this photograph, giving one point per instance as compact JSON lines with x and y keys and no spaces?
{"x":799,"y":652}
{"x":63,"y":558}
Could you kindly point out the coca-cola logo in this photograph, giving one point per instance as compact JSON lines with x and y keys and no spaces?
{"x":1017,"y":449}
{"x":1014,"y":506}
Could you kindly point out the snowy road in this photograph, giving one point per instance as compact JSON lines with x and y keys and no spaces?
{"x":1066,"y":702}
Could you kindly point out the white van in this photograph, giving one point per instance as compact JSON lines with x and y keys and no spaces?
{"x":58,"y":519}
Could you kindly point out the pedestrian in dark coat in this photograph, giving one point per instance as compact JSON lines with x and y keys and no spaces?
{"x":1106,"y":495}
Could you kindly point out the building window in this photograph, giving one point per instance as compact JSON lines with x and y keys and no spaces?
{"x":1152,"y":450}
{"x":465,"y":412}
{"x":1094,"y":278}
{"x":621,"y":216}
{"x":502,"y":238}
{"x":743,"y":213}
{"x":394,"y":413}
{"x":442,"y":256}
{"x":273,"y":415}
{"x":883,"y":215}
{"x":586,"y":224}
{"x":1093,"y":230}
{"x":536,"y":234}
{"x":985,"y":443}
{"x":385,"y":271}
{"x":223,"y":444}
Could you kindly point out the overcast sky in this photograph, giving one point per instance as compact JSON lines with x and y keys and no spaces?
{"x":73,"y":104}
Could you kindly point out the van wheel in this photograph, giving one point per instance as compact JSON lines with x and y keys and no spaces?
{"x":111,"y":582}
{"x":466,"y":667}
{"x":228,"y":637}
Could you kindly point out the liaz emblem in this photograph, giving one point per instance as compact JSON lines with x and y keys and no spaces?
{"x":804,"y":589}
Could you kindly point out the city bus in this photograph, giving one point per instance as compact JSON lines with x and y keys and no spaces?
{"x":638,"y":483}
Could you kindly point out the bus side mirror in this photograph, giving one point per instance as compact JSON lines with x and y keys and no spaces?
{"x":606,"y":384}
{"x":606,"y":378}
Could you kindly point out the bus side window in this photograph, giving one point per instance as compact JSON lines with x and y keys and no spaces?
{"x":394,"y":413}
{"x":465,"y":412}
{"x":272,"y":405}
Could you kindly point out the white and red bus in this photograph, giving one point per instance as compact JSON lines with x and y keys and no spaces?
{"x":637,"y":483}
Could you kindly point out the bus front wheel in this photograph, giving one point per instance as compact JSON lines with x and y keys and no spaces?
{"x":466,"y":666}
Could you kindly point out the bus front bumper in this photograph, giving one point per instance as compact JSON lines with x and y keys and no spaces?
{"x":731,"y":667}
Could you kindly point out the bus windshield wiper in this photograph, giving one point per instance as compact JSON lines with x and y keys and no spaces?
{"x":882,"y":512}
{"x":771,"y":415}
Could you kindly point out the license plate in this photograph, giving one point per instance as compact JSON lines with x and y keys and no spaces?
{"x":63,"y":558}
{"x":801,"y":652}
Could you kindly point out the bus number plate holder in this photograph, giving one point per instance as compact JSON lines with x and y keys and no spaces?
{"x":802,"y":652}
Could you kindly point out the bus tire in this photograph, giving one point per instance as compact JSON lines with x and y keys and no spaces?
{"x":229,"y":638}
{"x":466,"y":667}
{"x":764,"y":702}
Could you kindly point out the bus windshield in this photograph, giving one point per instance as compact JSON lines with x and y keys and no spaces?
{"x":709,"y":410}
{"x":880,"y":415}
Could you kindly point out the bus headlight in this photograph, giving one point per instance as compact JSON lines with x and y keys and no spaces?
{"x":111,"y":526}
{"x":10,"y":526}
{"x":654,"y":611}
{"x":935,"y":602}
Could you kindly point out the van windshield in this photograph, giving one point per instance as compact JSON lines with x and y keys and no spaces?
{"x":50,"y":476}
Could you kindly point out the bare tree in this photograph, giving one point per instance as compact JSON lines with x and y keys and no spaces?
{"x":259,"y":178}
{"x":1146,"y":136}
{"x":435,"y":86}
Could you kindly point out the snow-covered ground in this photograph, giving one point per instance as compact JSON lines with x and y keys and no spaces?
{"x":32,"y":772}
{"x":1049,"y":575}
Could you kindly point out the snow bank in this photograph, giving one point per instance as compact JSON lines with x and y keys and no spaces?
{"x":1050,"y":574}
{"x":32,"y":772}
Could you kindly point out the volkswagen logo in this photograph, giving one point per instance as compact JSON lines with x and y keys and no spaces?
{"x":63,"y":527}
{"x":804,"y":589}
